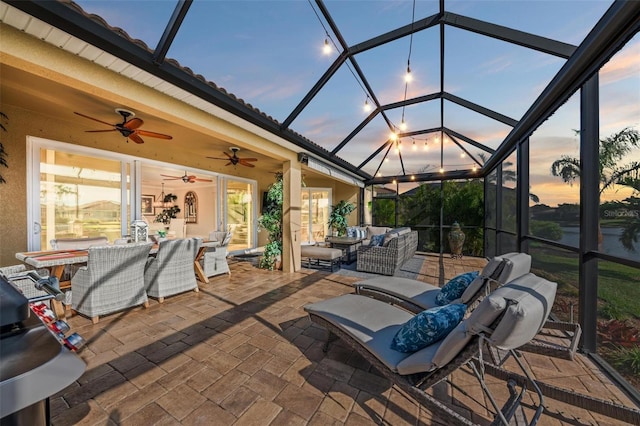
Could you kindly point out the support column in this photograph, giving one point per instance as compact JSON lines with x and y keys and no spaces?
{"x":589,"y":211}
{"x":291,"y":216}
{"x":523,"y":195}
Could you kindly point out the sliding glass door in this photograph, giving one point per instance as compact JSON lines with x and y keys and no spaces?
{"x":315,"y":207}
{"x":77,"y":195}
{"x":240,"y":213}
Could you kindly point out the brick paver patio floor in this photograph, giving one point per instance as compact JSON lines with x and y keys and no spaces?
{"x":243,"y":352}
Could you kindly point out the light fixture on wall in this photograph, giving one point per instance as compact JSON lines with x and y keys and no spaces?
{"x":160,"y":200}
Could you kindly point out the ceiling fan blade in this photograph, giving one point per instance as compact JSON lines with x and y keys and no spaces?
{"x":218,"y":158}
{"x":133,"y":124}
{"x":169,"y":176}
{"x":202,"y":180}
{"x":172,"y":178}
{"x":153,"y":134}
{"x":94,"y":119}
{"x":229,"y":163}
{"x":229,"y":155}
{"x":100,"y":131}
{"x":134,"y":137}
{"x":241,"y":161}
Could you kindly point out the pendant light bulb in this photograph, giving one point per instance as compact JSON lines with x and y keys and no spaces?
{"x":326,"y":49}
{"x":403,"y":125}
{"x":367,"y":106}
{"x":426,"y":147}
{"x":414,"y":146}
{"x":408,"y":77}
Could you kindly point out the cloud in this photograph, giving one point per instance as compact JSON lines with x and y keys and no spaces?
{"x":496,"y":65}
{"x":624,"y":65}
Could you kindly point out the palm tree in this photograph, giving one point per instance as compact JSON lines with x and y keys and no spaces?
{"x":613,"y":149}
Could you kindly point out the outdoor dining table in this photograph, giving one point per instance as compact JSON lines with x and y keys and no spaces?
{"x":56,"y":260}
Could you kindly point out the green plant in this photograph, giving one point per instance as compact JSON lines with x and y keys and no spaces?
{"x":613,"y":149}
{"x":338,"y":216}
{"x":627,"y":359}
{"x":271,"y":221}
{"x":546,"y":229}
{"x":169,"y":213}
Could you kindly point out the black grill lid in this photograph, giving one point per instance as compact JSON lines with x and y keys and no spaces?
{"x":14,"y":307}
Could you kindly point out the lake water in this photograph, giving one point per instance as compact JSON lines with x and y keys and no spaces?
{"x":610,"y":241}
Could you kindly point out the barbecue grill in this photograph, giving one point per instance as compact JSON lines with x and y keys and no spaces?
{"x":37,"y":360}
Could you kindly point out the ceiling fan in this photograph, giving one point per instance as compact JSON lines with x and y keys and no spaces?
{"x":186,"y":178}
{"x":234,"y":159}
{"x":128,"y":128}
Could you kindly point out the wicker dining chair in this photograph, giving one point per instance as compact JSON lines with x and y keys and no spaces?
{"x":172,"y":270}
{"x":214,"y":261}
{"x":113,"y":280}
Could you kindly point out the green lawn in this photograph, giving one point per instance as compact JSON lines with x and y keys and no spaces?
{"x":619,"y":285}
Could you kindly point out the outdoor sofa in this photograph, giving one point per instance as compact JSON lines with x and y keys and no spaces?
{"x":397,"y":246}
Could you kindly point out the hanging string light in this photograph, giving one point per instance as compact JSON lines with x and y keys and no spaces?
{"x":408,"y":77}
{"x":326,"y":49}
{"x":367,"y":105}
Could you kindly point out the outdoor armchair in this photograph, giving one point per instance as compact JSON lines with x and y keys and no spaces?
{"x":113,"y":280}
{"x":171,"y":271}
{"x":214,"y":261}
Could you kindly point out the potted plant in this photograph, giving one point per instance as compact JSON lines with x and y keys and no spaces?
{"x":271,"y":221}
{"x":169,"y":213}
{"x":338,"y":217}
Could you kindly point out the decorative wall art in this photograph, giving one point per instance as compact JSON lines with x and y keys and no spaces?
{"x":191,"y":207}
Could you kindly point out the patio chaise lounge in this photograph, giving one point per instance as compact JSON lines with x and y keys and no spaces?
{"x":508,"y":318}
{"x":417,"y":296}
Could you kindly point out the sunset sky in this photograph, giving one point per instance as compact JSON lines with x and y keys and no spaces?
{"x":269,"y":53}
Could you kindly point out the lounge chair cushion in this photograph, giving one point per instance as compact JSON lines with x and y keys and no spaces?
{"x":420,"y":293}
{"x":525,"y":315}
{"x":427,"y":327}
{"x":370,"y":321}
{"x":455,"y":288}
{"x":440,"y":354}
{"x":515,"y":265}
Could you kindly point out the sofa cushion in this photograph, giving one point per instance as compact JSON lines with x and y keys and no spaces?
{"x":376,"y":230}
{"x":401,"y":231}
{"x":427,"y":327}
{"x":376,"y":240}
{"x":388,"y":237}
{"x":356,"y":232}
{"x":455,"y":288}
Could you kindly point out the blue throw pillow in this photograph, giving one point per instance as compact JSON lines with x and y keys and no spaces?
{"x":428,"y":327}
{"x":351,"y":232}
{"x":455,"y":287}
{"x":376,"y":240}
